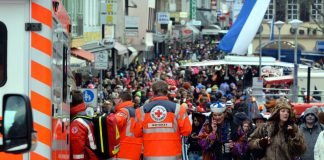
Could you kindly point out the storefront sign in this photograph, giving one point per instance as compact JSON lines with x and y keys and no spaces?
{"x":193,"y":9}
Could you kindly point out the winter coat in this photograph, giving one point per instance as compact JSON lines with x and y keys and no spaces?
{"x":82,"y":136}
{"x":310,"y":136}
{"x":278,"y":148}
{"x":319,"y":145}
{"x":213,"y":143}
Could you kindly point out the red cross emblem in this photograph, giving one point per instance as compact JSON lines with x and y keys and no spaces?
{"x":158,"y":113}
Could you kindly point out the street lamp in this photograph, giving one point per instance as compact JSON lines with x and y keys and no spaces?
{"x":260,"y":51}
{"x":295,"y":24}
{"x":279,"y":25}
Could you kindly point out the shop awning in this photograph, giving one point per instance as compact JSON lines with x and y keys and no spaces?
{"x":77,"y":62}
{"x":120,"y":48}
{"x":320,"y":46}
{"x":82,"y":54}
{"x":148,"y":41}
{"x":133,"y":55}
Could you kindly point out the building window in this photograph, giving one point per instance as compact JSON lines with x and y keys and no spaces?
{"x":280,"y":8}
{"x":3,"y":53}
{"x":270,"y":11}
{"x":304,"y":12}
{"x":292,"y":9}
{"x":75,"y":8}
{"x":316,"y":9}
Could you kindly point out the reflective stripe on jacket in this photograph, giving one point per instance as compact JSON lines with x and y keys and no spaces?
{"x":161,"y":123}
{"x":130,"y":146}
{"x":82,"y":136}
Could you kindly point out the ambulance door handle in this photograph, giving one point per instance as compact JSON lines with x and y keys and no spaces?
{"x":63,"y":127}
{"x":52,"y":109}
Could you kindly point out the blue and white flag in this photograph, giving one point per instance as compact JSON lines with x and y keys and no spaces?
{"x":242,"y":32}
{"x":271,"y":37}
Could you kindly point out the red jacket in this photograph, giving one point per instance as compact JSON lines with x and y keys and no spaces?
{"x":130,"y":146}
{"x":82,"y":136}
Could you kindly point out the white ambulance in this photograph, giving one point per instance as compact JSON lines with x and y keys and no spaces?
{"x":34,"y":94}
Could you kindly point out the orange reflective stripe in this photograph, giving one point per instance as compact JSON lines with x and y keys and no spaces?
{"x":41,"y":73}
{"x":41,"y":103}
{"x":43,"y":134}
{"x":34,"y":155}
{"x":42,"y":14}
{"x":41,"y":43}
{"x":11,"y":156}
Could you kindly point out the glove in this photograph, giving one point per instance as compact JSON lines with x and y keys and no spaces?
{"x":264,"y":142}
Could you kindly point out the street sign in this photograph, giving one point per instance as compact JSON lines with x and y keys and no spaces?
{"x":131,"y":26}
{"x":163,"y":17}
{"x":90,"y":96}
{"x":101,"y":60}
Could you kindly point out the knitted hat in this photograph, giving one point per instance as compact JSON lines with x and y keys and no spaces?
{"x":217,"y":107}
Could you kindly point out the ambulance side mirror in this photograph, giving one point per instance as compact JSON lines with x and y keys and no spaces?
{"x":17,"y":124}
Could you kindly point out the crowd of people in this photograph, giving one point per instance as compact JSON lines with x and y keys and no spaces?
{"x":202,"y":113}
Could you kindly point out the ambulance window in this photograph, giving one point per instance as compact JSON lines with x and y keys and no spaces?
{"x":3,"y":53}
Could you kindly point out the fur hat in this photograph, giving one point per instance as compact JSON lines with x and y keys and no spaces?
{"x":77,"y":98}
{"x":281,"y":103}
{"x":217,"y":107}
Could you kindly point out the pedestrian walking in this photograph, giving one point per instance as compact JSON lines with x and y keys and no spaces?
{"x":319,"y":145}
{"x":82,"y":131}
{"x":130,"y":146}
{"x":161,"y":123}
{"x":216,"y":134}
{"x":278,"y":138}
{"x":195,"y":151}
{"x":311,"y":129}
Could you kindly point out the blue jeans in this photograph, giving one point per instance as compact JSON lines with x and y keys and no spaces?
{"x":195,"y":156}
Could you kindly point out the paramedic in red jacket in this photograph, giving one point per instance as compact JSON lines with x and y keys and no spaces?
{"x":81,"y":130}
{"x":130,"y":146}
{"x":161,"y":123}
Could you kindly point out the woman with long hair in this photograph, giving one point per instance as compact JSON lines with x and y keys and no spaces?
{"x":195,"y":152}
{"x":280,"y":137}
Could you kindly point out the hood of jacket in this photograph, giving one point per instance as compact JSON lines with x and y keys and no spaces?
{"x":310,"y":111}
